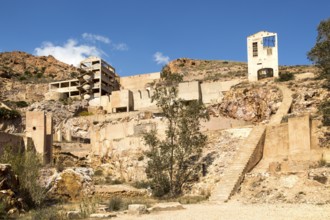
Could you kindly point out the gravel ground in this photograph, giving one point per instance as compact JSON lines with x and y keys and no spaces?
{"x":236,"y":210}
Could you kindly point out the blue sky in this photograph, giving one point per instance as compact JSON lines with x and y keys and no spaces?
{"x":140,"y":36}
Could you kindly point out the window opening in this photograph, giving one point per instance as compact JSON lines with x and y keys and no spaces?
{"x":269,"y":41}
{"x":255,"y":49}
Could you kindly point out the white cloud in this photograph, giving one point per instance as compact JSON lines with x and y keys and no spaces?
{"x":94,"y":37}
{"x":120,"y":46}
{"x":159,"y":58}
{"x":71,"y":52}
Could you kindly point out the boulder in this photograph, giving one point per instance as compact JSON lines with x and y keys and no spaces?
{"x":137,"y":209}
{"x":166,"y":206}
{"x":71,"y":184}
{"x":9,"y":187}
{"x":102,"y":215}
{"x":73,"y":215}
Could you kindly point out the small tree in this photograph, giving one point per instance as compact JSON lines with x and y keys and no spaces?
{"x":175,"y":160}
{"x":320,"y":53}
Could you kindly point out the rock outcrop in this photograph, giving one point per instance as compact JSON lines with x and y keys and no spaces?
{"x":209,"y":70}
{"x":250,"y":102}
{"x":9,"y":196}
{"x":24,"y":77}
{"x":71,"y":184}
{"x":20,"y":63}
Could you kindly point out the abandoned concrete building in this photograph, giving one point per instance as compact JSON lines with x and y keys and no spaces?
{"x":38,"y":136}
{"x":99,"y":79}
{"x":262,"y":55}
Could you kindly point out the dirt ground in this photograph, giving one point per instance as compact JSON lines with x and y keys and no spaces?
{"x":235,"y":210}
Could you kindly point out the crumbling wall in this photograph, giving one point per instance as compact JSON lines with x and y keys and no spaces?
{"x":137,"y":82}
{"x":293,"y":146}
{"x":12,"y":141}
{"x":212,"y":92}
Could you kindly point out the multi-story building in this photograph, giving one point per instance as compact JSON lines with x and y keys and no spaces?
{"x":262,"y":55}
{"x":97,"y":79}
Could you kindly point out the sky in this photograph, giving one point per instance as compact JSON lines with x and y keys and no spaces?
{"x":141,"y":36}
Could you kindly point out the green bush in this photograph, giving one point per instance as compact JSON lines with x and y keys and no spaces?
{"x":116,"y":204}
{"x":21,"y":104}
{"x":3,"y":213}
{"x":111,"y":181}
{"x":21,"y":78}
{"x":8,"y":114}
{"x":50,"y":213}
{"x":324,"y":109}
{"x":26,"y":165}
{"x":85,"y":113}
{"x":285,"y":77}
{"x":141,"y":184}
{"x":39,"y":75}
{"x":98,"y":173}
{"x":88,"y":206}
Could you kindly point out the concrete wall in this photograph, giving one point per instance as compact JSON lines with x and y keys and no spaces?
{"x":10,"y":140}
{"x":121,"y":99}
{"x":277,"y":142}
{"x":137,"y":82}
{"x":213,"y":91}
{"x":142,"y":99}
{"x":36,"y":129}
{"x":105,"y":139}
{"x":267,"y":57}
{"x":189,"y":91}
{"x":292,"y":146}
{"x":40,"y":129}
{"x":219,"y":123}
{"x":299,"y":138}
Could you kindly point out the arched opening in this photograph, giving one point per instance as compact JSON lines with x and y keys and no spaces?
{"x":148,"y":91}
{"x":140,"y":93}
{"x":265,"y":73}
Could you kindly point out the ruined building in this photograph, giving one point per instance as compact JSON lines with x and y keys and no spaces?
{"x":97,"y":79}
{"x":262,"y":55}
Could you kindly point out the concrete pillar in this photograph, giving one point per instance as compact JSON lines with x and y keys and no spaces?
{"x":299,"y":138}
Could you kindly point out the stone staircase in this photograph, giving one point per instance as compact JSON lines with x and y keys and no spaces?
{"x":248,"y":156}
{"x":250,"y":153}
{"x":285,"y":106}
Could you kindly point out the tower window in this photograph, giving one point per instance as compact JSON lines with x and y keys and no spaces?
{"x":255,"y":49}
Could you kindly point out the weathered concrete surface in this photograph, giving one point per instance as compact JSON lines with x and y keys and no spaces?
{"x":122,"y":99}
{"x":249,"y":155}
{"x":39,"y":127}
{"x":284,"y":107}
{"x":12,"y":141}
{"x":212,"y":91}
{"x":137,"y":82}
{"x":189,"y":91}
{"x":299,"y":138}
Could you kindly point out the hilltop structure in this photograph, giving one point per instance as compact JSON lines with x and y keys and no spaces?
{"x":97,"y":79}
{"x":262,"y":55}
{"x":101,"y":86}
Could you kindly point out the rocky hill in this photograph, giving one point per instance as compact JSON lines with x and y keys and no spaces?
{"x":24,"y":66}
{"x":24,"y":77}
{"x":207,"y":70}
